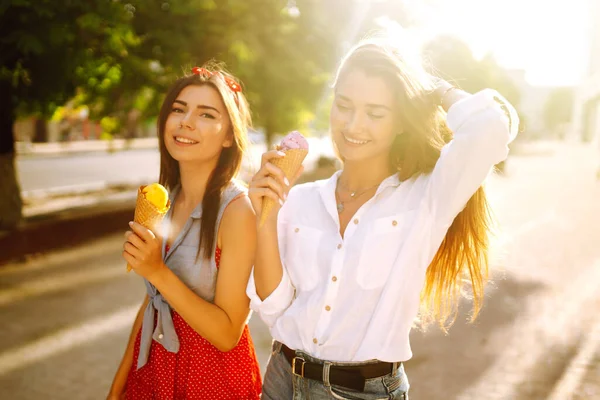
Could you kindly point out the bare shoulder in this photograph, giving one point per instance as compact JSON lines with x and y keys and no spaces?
{"x":238,"y":231}
{"x":239,"y":214}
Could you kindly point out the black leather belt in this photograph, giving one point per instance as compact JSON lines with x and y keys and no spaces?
{"x":352,"y":377}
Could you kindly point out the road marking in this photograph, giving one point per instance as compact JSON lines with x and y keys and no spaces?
{"x":56,"y":283}
{"x":66,"y":339}
{"x":578,"y":367}
{"x":537,"y":330}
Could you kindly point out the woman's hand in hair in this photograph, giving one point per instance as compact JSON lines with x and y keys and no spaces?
{"x":445,"y":94}
{"x":270,"y":182}
{"x":142,"y":250}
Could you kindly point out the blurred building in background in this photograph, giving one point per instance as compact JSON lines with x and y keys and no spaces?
{"x":587,"y":101}
{"x":531,"y":104}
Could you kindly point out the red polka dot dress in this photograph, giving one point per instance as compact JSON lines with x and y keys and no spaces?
{"x":198,"y":370}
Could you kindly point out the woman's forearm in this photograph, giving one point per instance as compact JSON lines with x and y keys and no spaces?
{"x":208,"y":319}
{"x":268,"y":270}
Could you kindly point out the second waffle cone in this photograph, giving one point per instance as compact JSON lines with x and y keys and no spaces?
{"x":290,"y":164}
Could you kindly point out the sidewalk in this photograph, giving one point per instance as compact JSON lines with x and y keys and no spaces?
{"x":67,"y":222}
{"x":83,"y":146}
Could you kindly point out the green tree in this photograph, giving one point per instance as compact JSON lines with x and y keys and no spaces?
{"x":284,"y":58}
{"x":106,"y":49}
{"x":453,"y":60}
{"x":45,"y":48}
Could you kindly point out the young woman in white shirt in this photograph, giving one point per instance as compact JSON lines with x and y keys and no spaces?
{"x":347,"y":264}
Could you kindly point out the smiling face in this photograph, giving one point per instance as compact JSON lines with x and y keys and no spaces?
{"x":198,"y":125}
{"x":363,"y":124}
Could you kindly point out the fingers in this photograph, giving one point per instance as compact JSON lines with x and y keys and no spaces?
{"x":146,"y":234}
{"x":270,"y":183}
{"x":265,"y":192}
{"x":131,"y":260}
{"x":134,"y":239}
{"x":276,"y":171}
{"x":131,"y":250}
{"x":270,"y":155}
{"x":268,"y":170}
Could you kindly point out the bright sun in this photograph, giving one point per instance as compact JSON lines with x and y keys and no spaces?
{"x":548,"y":39}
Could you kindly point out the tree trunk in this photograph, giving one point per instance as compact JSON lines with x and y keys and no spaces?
{"x":269,"y":133}
{"x":11,"y":204}
{"x":40,"y":130}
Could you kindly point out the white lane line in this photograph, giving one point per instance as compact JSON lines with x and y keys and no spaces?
{"x":56,"y":283}
{"x":578,"y":367}
{"x":66,"y":339}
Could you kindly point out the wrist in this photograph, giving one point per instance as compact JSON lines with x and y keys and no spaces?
{"x":159,"y":275}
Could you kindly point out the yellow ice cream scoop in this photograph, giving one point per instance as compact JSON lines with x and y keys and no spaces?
{"x":151,"y":207}
{"x":157,"y":195}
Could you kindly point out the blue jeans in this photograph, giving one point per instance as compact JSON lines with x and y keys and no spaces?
{"x":281,"y":384}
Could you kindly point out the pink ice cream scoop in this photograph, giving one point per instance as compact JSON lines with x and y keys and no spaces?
{"x":295,"y":147}
{"x":293,"y":140}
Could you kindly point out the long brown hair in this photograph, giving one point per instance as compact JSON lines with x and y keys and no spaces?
{"x":464,"y":250}
{"x":230,"y":159}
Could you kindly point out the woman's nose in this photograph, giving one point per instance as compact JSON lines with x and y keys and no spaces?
{"x":356,"y":123}
{"x":188,"y":121}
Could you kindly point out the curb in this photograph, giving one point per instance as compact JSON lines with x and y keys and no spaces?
{"x":63,"y":229}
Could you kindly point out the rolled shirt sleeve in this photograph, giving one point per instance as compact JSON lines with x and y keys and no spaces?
{"x":276,"y":303}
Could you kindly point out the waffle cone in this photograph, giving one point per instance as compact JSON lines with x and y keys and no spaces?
{"x":290,"y":164}
{"x":147,"y":214}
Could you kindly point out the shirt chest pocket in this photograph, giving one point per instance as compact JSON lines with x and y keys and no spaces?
{"x":300,"y":254}
{"x":381,"y":247}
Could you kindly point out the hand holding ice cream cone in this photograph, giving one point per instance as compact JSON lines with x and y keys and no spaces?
{"x":151,"y":207}
{"x":280,"y":168}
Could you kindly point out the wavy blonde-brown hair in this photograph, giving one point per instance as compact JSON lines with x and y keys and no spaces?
{"x":463,"y":254}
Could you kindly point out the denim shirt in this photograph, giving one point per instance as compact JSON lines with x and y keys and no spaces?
{"x":183,"y":258}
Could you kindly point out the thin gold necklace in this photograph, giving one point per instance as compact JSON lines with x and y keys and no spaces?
{"x":353,"y":196}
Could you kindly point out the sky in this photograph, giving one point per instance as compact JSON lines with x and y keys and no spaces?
{"x":549,"y":39}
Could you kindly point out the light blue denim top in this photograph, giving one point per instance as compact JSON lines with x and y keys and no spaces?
{"x":198,"y":273}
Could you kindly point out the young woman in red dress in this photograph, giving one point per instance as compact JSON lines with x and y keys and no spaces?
{"x":190,"y":339}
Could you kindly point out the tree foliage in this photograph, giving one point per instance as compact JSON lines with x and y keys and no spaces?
{"x":558,"y":108}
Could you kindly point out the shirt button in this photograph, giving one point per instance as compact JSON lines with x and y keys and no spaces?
{"x":297,"y":230}
{"x":394,"y":222}
{"x":334,"y":278}
{"x":315,"y":341}
{"x":355,"y":221}
{"x":327,"y":308}
{"x":161,"y":336}
{"x":339,"y":246}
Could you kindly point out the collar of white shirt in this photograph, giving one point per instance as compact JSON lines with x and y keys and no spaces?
{"x":328,"y":186}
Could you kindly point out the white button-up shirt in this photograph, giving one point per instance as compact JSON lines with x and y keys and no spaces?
{"x":355,"y":298}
